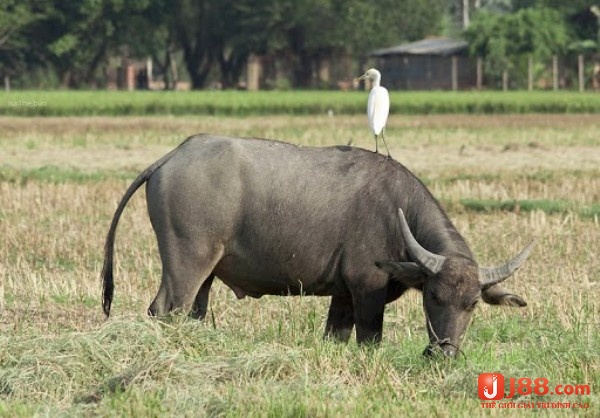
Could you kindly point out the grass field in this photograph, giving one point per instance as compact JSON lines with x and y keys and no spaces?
{"x":243,"y":103}
{"x":60,"y":180}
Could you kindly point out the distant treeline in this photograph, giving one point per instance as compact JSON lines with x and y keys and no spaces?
{"x":79,"y":44}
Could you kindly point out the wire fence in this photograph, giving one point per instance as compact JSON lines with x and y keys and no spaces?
{"x":571,"y":72}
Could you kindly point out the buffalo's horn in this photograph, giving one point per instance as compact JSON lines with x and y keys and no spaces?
{"x":430,"y":262}
{"x":489,"y":276}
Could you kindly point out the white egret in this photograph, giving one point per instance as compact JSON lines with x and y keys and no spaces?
{"x":378,"y":106}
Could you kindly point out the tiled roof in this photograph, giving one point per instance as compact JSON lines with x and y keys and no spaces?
{"x":428,"y":46}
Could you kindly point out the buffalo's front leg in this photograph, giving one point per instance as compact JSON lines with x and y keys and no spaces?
{"x":340,"y":319}
{"x":369,"y":305}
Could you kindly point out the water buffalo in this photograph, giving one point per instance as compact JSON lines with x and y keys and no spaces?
{"x":270,"y":218}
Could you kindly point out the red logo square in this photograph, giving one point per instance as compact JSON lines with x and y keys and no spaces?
{"x":490,"y":386}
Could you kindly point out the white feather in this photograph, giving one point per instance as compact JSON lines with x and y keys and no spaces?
{"x":378,"y":109}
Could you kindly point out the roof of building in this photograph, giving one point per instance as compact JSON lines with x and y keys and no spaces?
{"x":428,"y":46}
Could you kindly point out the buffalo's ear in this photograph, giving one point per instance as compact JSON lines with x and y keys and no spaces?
{"x":499,"y":295}
{"x":409,"y":274}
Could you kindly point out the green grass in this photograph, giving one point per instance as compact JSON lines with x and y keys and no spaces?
{"x":56,"y":174}
{"x":528,"y":205}
{"x":240,"y":103}
{"x":140,"y":367}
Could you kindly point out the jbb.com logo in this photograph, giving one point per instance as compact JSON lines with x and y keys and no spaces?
{"x":490,"y":386}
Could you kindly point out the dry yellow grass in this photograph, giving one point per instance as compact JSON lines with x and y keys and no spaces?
{"x":426,"y":144}
{"x":266,"y":354}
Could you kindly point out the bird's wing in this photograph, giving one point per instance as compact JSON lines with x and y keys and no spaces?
{"x":378,"y":109}
{"x":371,"y":109}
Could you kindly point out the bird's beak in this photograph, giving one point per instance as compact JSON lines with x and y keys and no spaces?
{"x":362,"y":77}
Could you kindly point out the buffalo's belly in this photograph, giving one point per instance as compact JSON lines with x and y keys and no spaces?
{"x":272,"y":277}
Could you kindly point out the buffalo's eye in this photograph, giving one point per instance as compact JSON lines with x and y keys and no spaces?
{"x":435,"y":298}
{"x":471,"y":306}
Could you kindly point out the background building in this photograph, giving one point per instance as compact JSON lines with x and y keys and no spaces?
{"x":428,"y":64}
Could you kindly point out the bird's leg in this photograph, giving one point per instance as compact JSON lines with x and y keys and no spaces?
{"x":376,"y":151}
{"x":384,"y":143}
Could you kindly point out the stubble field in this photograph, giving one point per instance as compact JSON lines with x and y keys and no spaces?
{"x":60,"y":181}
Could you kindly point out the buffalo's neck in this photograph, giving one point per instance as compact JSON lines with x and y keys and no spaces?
{"x":434,"y":231}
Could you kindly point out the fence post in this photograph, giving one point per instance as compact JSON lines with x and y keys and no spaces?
{"x":479,"y":73}
{"x":530,"y":72}
{"x":253,"y":68}
{"x":454,"y":73}
{"x":555,"y":72}
{"x":505,"y":80}
{"x":149,"y":71}
{"x":580,"y":68}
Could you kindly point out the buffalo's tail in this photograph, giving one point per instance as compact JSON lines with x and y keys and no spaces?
{"x":108,"y":285}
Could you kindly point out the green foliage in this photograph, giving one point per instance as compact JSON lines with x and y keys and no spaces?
{"x":565,"y":8}
{"x":506,"y":40}
{"x":301,"y":29}
{"x":77,"y":38}
{"x":15,"y":17}
{"x":63,"y":45}
{"x":381,"y":23}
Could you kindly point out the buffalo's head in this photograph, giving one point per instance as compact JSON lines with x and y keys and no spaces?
{"x":452,"y":286}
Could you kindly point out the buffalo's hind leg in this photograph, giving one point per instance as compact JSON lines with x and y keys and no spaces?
{"x":186,"y":277}
{"x":200,"y":306}
{"x":340,"y":319}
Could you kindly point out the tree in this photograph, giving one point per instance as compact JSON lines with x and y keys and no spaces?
{"x":318,"y":28}
{"x":507,"y":40}
{"x":310,"y":34}
{"x":216,"y":37}
{"x":216,"y":32}
{"x":75,"y":38}
{"x":223,"y":33}
{"x":15,"y":17}
{"x":151,"y":33}
{"x":381,"y":23}
{"x":244,"y":27}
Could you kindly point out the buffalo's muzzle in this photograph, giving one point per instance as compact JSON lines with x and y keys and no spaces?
{"x":447,"y":350}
